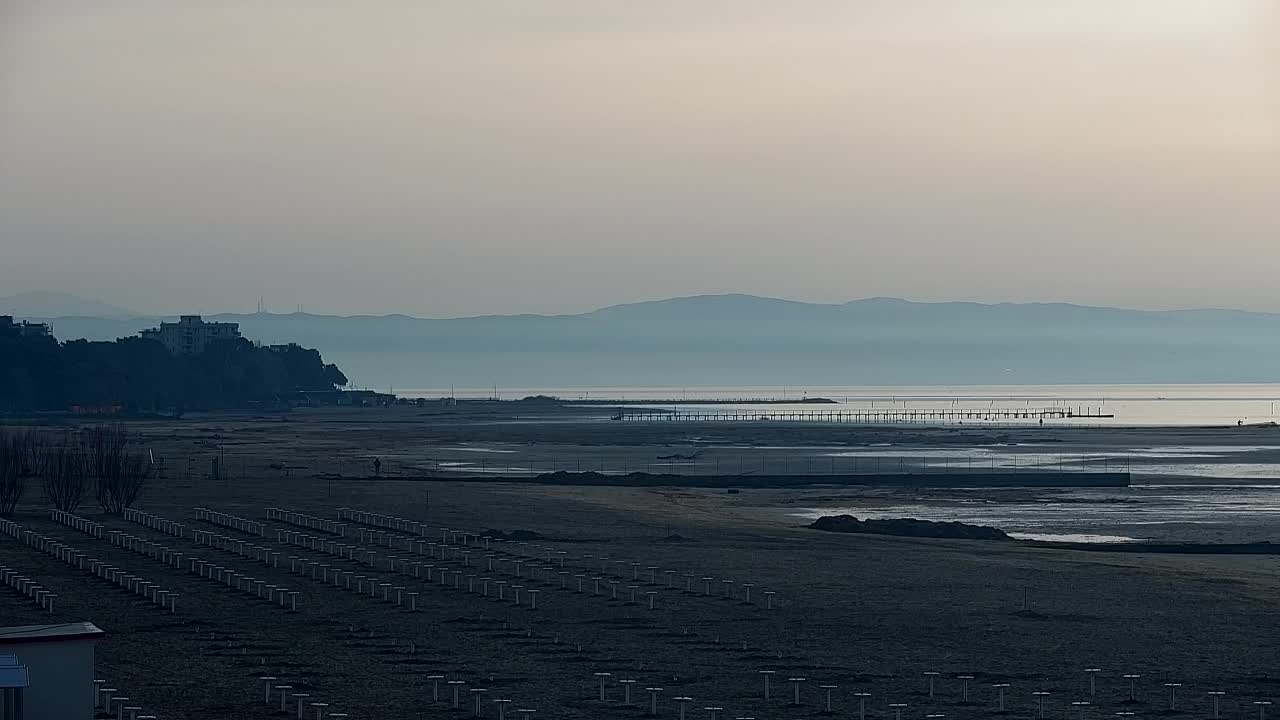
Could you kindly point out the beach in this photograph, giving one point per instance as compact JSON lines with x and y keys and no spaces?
{"x":864,"y":613}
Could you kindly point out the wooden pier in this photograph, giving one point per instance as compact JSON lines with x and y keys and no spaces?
{"x":901,"y":416}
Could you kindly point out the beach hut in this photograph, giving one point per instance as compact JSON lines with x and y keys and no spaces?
{"x":50,"y":670}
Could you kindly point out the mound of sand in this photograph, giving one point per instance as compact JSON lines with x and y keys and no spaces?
{"x":907,"y":527}
{"x":512,"y":535}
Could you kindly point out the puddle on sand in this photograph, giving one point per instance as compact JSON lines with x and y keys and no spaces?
{"x":1073,"y":537}
{"x":1202,"y":450}
{"x":1140,"y":512}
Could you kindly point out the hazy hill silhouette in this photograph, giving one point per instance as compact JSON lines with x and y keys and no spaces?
{"x":747,"y":340}
{"x":45,"y":303}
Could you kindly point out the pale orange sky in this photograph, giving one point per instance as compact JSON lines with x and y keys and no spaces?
{"x":513,"y":156}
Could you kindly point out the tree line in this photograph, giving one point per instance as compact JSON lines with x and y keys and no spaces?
{"x":140,"y":375}
{"x":107,"y":459}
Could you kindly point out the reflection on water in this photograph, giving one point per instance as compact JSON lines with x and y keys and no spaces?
{"x":1073,"y":537}
{"x":1222,"y":471}
{"x":1247,"y":462}
{"x":1202,"y":450}
{"x":1251,"y":462}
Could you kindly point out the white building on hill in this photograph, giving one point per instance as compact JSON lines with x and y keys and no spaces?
{"x":191,"y":335}
{"x":24,"y":328}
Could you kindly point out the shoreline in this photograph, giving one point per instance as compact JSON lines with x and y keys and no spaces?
{"x":958,"y":480}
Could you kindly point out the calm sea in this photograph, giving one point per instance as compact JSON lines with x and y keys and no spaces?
{"x":1144,"y":405}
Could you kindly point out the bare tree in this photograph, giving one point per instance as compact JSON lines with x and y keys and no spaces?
{"x":64,"y":473}
{"x":13,"y":479}
{"x":103,"y":446}
{"x":120,"y":469}
{"x":33,"y":444}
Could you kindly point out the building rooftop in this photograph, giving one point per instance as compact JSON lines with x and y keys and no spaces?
{"x":13,"y":675}
{"x":50,"y":633}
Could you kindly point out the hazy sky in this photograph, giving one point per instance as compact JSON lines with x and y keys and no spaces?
{"x":444,"y":158}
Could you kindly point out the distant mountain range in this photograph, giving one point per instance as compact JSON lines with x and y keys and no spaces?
{"x":43,"y":303}
{"x":731,"y":340}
